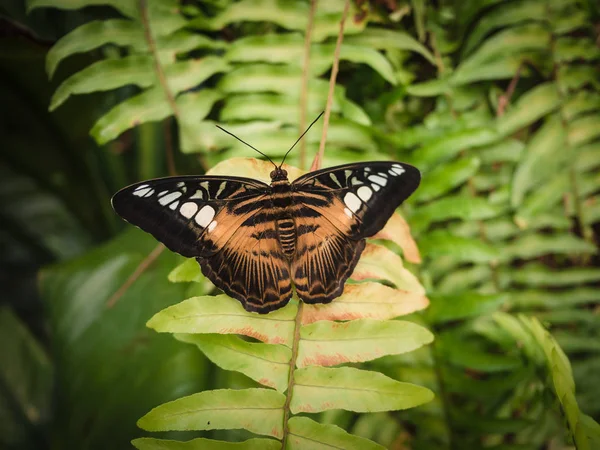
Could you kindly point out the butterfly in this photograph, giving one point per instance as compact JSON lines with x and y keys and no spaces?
{"x":253,"y":240}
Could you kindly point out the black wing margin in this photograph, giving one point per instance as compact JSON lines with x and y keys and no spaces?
{"x":178,"y":210}
{"x":358,"y":198}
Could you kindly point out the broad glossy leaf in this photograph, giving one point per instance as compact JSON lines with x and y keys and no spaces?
{"x":27,"y":377}
{"x":224,"y":315}
{"x":397,"y":230}
{"x":188,"y":270}
{"x":267,"y":364}
{"x":205,"y":444}
{"x":326,"y":343}
{"x":93,"y":35}
{"x":113,"y":368}
{"x":377,"y":262}
{"x":305,"y":433}
{"x":444,"y":178}
{"x":366,"y":300}
{"x":106,"y":75}
{"x":451,"y":307}
{"x":320,"y":389}
{"x":257,"y":410}
{"x":531,"y":106}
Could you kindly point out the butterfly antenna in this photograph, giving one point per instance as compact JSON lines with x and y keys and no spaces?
{"x":301,"y":136}
{"x":244,"y":142}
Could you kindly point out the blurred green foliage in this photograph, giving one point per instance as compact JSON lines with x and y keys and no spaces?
{"x":498,"y":103}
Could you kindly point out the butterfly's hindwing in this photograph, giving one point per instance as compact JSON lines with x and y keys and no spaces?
{"x":360,"y":197}
{"x":190,"y":215}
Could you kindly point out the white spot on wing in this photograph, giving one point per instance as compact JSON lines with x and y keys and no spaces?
{"x":399,"y":170}
{"x":174,"y":205}
{"x":142,"y":186}
{"x":212,"y":226}
{"x":392,"y":173}
{"x":221,"y":187}
{"x":348,"y":212}
{"x":334,"y":179}
{"x":163,"y":193}
{"x":149,"y":193}
{"x":180,"y":184}
{"x":352,"y":202}
{"x":205,"y":216}
{"x":347,"y":173}
{"x":364,"y":193}
{"x":141,"y":192}
{"x":376,"y":187}
{"x":377,"y":179}
{"x":188,"y":209}
{"x":198,"y":194}
{"x":169,"y":198}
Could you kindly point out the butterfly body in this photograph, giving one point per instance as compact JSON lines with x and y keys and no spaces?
{"x":254,"y":240}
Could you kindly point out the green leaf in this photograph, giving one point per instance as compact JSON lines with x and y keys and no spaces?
{"x":379,"y":263}
{"x":267,"y":364}
{"x":531,"y":106}
{"x":568,"y":49}
{"x":581,"y":103}
{"x":544,"y":156}
{"x":571,"y":77}
{"x":502,"y":15}
{"x":430,"y":88}
{"x":113,"y":368}
{"x":327,"y":343}
{"x":496,"y":57}
{"x":257,"y":410}
{"x":205,"y":444}
{"x":187,"y":271}
{"x":93,"y":35}
{"x":319,"y":389}
{"x":464,"y":207}
{"x":584,"y":129}
{"x":26,"y":377}
{"x":444,"y":178}
{"x":538,"y":275}
{"x":451,"y":144}
{"x":543,"y":299}
{"x":531,"y":246}
{"x":305,"y":433}
{"x":366,"y":300}
{"x":441,"y":243}
{"x":451,"y":307}
{"x":127,"y":7}
{"x":384,"y":39}
{"x":224,"y":315}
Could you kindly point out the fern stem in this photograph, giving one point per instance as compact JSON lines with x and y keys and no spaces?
{"x":290,"y":386}
{"x":318,"y":161}
{"x":305,"y":75}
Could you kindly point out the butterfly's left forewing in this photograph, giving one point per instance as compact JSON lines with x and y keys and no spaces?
{"x":336,"y":210}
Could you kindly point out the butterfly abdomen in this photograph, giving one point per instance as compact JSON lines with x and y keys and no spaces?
{"x":286,"y":230}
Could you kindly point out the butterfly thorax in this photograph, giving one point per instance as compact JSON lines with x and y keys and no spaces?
{"x":282,"y":203}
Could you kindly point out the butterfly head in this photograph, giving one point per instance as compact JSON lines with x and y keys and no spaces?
{"x":278,"y":174}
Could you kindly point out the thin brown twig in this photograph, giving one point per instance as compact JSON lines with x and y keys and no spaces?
{"x":139,"y":270}
{"x":305,"y":75}
{"x":504,"y":99}
{"x":334,"y":71}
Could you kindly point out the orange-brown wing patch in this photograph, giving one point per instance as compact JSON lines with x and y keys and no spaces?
{"x":324,"y":259}
{"x":251,"y":267}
